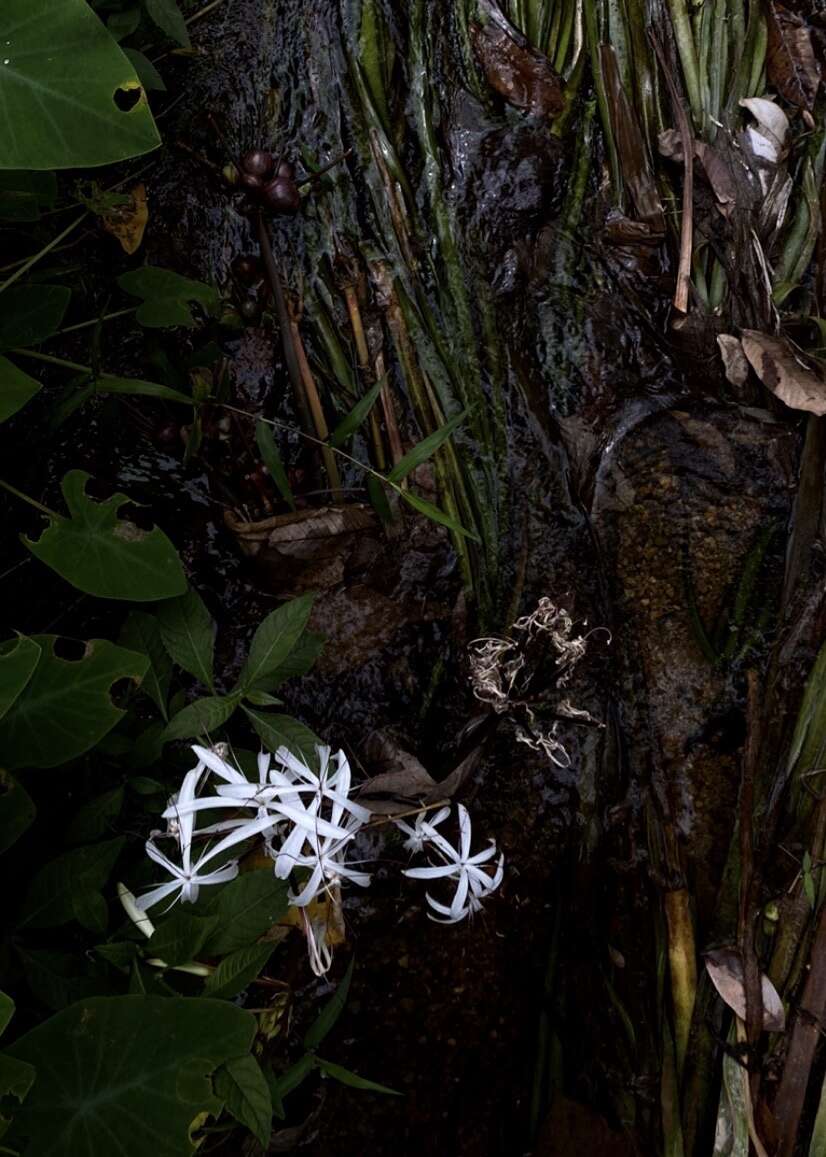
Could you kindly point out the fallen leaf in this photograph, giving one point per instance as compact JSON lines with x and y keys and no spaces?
{"x":784,"y":372}
{"x":725,"y":968}
{"x":518,"y":72}
{"x":719,"y":176}
{"x":735,"y":362}
{"x":128,"y":222}
{"x":403,"y":777}
{"x":769,"y":138}
{"x":790,"y":58}
{"x":631,"y":147}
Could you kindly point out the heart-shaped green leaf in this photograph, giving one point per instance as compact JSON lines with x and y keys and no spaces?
{"x":31,"y":313}
{"x":66,"y":706}
{"x":61,"y":77}
{"x":16,"y":388}
{"x":167,"y":296}
{"x":106,"y":556}
{"x":18,"y":659}
{"x":127,"y":1075}
{"x":17,"y":810}
{"x":59,"y":892}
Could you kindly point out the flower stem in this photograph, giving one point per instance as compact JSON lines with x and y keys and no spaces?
{"x":33,"y":260}
{"x":31,"y":501}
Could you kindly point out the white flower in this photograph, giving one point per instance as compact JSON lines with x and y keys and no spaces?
{"x":327,"y":867}
{"x":473,"y":884}
{"x":421,"y":832}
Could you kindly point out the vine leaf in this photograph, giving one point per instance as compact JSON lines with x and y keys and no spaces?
{"x":241,"y":1085}
{"x":31,"y":313}
{"x":103,"y":555}
{"x":17,"y":810}
{"x":167,"y":296}
{"x":274,"y":641}
{"x":102,"y":1097}
{"x":188,"y":634}
{"x":200,"y":717}
{"x":69,"y":888}
{"x":168,"y":17}
{"x":790,"y":58}
{"x":66,"y":706}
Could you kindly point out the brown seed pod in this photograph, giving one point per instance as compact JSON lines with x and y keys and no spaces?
{"x":252,"y":184}
{"x":281,"y":196}
{"x":258,"y":163}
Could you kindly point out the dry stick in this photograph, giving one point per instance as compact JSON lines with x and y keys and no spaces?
{"x":290,"y":355}
{"x":363,"y":354}
{"x":682,"y":960}
{"x":806,"y":1034}
{"x":319,"y":421}
{"x":748,"y":880}
{"x":393,"y":435}
{"x":687,"y":221}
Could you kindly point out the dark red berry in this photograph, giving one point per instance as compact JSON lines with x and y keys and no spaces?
{"x":258,"y":163}
{"x":252,"y":184}
{"x":168,"y":433}
{"x":286,"y":169}
{"x":246,"y":268}
{"x":281,"y":196}
{"x":250,"y":310}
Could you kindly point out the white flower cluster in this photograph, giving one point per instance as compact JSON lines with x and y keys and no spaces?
{"x":473,"y":882}
{"x":305,"y":820}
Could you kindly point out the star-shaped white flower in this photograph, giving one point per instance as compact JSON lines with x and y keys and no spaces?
{"x":422,"y":830}
{"x":473,"y":884}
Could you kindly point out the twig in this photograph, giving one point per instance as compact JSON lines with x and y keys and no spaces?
{"x":747,"y":910}
{"x":687,"y":220}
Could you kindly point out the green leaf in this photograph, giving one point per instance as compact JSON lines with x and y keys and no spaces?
{"x":119,"y":954}
{"x":167,"y":296}
{"x":349,"y":424}
{"x":246,"y":908}
{"x":123,"y":24}
{"x":378,"y":500}
{"x":188,"y":634}
{"x":109,"y":384}
{"x":283,"y":731}
{"x":16,"y":1078}
{"x":332,"y":1010}
{"x":102,"y":555}
{"x":66,"y":707}
{"x":23,"y":194}
{"x":268,"y":450}
{"x":424,"y":449}
{"x":436,"y":515}
{"x":167,"y":15}
{"x":263,"y":699}
{"x":16,"y":388}
{"x":95,"y":818}
{"x":56,"y":894}
{"x":18,"y":659}
{"x":142,"y":633}
{"x":238,"y":970}
{"x":127,"y":1074}
{"x":6,"y":1011}
{"x":148,"y":75}
{"x":242,"y":1087}
{"x":31,"y":313}
{"x":17,"y":810}
{"x":347,"y":1077}
{"x":200,"y":717}
{"x":59,"y":90}
{"x":54,"y":979}
{"x":275,"y":638}
{"x":294,"y":1076}
{"x":299,"y":661}
{"x":180,"y":938}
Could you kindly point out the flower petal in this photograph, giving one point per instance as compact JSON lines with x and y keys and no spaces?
{"x":431,"y":873}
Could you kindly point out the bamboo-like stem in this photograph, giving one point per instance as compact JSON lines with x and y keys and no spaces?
{"x":363,"y":354}
{"x":393,"y":435}
{"x":41,"y":253}
{"x":688,"y":57}
{"x":316,"y":411}
{"x":682,"y":958}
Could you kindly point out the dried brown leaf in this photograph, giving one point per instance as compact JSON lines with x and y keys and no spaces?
{"x":790,"y":59}
{"x":783,"y":371}
{"x":128,"y":222}
{"x":735,"y":362}
{"x":725,"y":968}
{"x":631,"y":147}
{"x":518,"y":72}
{"x":404,"y":777}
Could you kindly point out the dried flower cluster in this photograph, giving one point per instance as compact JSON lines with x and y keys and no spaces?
{"x":500,"y":670}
